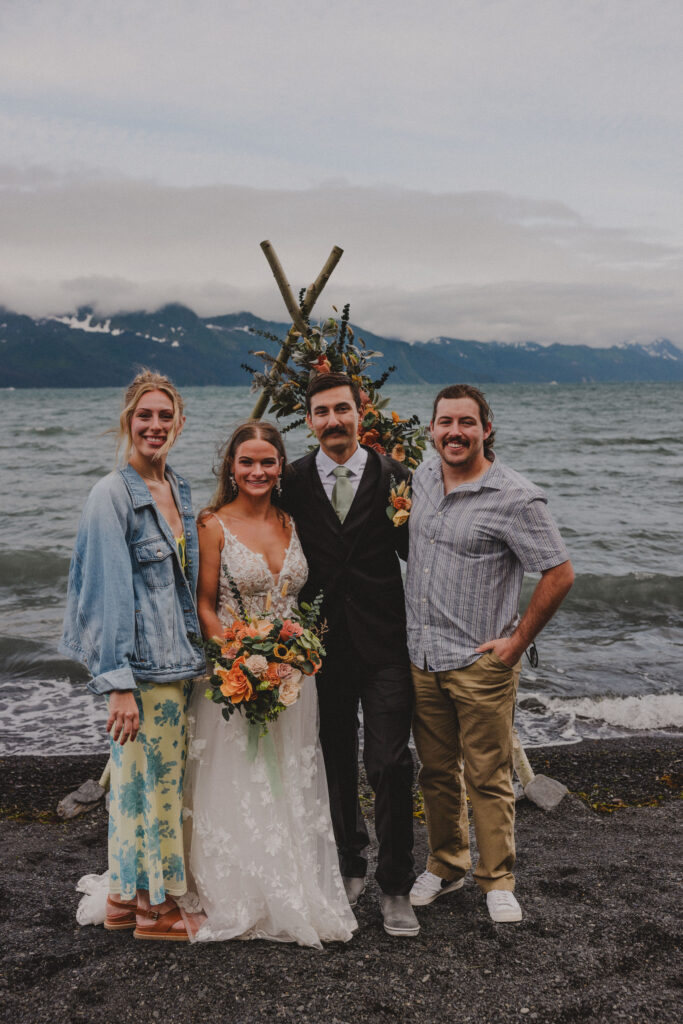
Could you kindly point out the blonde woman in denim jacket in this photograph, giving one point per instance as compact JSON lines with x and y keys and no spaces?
{"x":130,"y":608}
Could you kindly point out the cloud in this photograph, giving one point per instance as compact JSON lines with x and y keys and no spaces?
{"x":577,"y":102}
{"x":494,"y":168}
{"x":416,"y":264}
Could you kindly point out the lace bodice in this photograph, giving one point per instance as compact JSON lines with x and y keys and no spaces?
{"x":255,"y":581}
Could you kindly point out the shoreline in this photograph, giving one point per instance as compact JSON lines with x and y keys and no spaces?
{"x":598,"y":880}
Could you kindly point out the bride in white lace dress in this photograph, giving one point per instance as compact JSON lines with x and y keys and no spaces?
{"x":261,"y":865}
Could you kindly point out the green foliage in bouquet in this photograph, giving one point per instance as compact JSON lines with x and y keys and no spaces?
{"x":332,"y":346}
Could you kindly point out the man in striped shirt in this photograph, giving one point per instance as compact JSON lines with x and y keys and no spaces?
{"x":475,"y":528}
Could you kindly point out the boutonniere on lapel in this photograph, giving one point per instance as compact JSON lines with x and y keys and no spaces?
{"x":400,"y":502}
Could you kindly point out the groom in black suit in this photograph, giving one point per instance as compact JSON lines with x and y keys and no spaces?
{"x":338,"y":496}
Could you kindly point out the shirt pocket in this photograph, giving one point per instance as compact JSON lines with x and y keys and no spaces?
{"x":154,"y":560}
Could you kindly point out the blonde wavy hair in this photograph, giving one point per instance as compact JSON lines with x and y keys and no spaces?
{"x":147,"y":380}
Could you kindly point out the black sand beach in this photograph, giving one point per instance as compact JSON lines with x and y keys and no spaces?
{"x":598,"y":880}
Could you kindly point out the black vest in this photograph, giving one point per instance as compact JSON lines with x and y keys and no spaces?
{"x":354,"y":563}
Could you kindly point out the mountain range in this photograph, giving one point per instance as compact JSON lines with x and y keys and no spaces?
{"x":83,"y":349}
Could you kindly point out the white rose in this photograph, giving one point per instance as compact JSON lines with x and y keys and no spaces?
{"x":289,"y":691}
{"x":257,"y":664}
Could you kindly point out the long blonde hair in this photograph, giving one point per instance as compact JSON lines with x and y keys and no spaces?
{"x":148,"y":380}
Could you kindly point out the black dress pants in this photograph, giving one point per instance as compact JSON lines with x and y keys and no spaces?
{"x":385,"y":694}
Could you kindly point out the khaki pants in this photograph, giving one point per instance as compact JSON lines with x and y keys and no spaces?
{"x":462,"y":726}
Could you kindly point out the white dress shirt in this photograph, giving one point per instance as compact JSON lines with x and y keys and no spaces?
{"x":326,"y":467}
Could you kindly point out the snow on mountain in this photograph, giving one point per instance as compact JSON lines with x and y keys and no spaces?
{"x":100,"y":327}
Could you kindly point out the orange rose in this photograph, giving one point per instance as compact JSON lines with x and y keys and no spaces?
{"x":370,"y":437}
{"x":273,"y":675}
{"x":378,"y":448}
{"x":400,"y":502}
{"x":235,"y":684}
{"x":398,"y":452}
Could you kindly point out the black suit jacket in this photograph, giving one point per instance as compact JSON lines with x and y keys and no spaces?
{"x":354,"y":563}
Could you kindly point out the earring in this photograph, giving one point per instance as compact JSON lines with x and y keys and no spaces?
{"x":278,"y":487}
{"x":233,"y":484}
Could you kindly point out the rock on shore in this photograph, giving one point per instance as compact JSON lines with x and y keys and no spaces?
{"x":598,"y":880}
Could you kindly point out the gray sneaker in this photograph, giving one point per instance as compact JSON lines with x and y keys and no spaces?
{"x":428,"y":887}
{"x":399,"y":916}
{"x":502,"y":906}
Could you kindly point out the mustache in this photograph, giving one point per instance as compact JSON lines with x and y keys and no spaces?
{"x":458,"y":438}
{"x":334,"y":432}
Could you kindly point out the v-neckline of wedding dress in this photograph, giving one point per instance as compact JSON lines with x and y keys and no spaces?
{"x":257,"y":554}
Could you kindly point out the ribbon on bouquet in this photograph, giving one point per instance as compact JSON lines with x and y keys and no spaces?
{"x":269,"y":756}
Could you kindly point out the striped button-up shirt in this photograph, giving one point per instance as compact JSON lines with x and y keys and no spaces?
{"x":469,"y":550}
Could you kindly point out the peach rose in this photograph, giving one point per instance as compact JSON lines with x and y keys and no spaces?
{"x":290,"y":629}
{"x":235,"y":684}
{"x":401,"y":517}
{"x":398,"y":452}
{"x":230,"y":651}
{"x":289,"y":672}
{"x":289,"y":691}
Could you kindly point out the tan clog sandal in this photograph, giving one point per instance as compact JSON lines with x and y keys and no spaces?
{"x":119,"y":915}
{"x":164,"y":925}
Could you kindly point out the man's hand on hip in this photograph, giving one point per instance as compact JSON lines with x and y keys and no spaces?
{"x":505,"y":649}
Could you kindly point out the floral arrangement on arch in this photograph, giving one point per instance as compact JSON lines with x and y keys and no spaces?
{"x":258,"y":665}
{"x":333,"y":347}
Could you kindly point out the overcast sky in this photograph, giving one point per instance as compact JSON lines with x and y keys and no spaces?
{"x":504,"y":169}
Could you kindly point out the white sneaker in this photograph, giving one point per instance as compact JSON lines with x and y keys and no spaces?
{"x":428,"y":887}
{"x":503,"y":906}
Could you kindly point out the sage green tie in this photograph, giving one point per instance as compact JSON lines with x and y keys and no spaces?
{"x":342,"y":492}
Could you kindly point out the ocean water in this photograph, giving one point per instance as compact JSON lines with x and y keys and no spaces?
{"x":610,"y":458}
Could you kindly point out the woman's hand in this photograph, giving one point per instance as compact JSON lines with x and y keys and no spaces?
{"x":124,"y":717}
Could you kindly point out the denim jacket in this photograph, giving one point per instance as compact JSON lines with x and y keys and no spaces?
{"x":129,"y":605}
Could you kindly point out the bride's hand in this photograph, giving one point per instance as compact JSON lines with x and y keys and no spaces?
{"x":124,"y":717}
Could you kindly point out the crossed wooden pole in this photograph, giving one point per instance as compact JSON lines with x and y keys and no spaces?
{"x":298,"y":315}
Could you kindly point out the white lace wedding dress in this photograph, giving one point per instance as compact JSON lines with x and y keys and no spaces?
{"x":261,"y":866}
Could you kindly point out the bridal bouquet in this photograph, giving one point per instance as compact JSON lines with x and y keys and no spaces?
{"x":259,"y":663}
